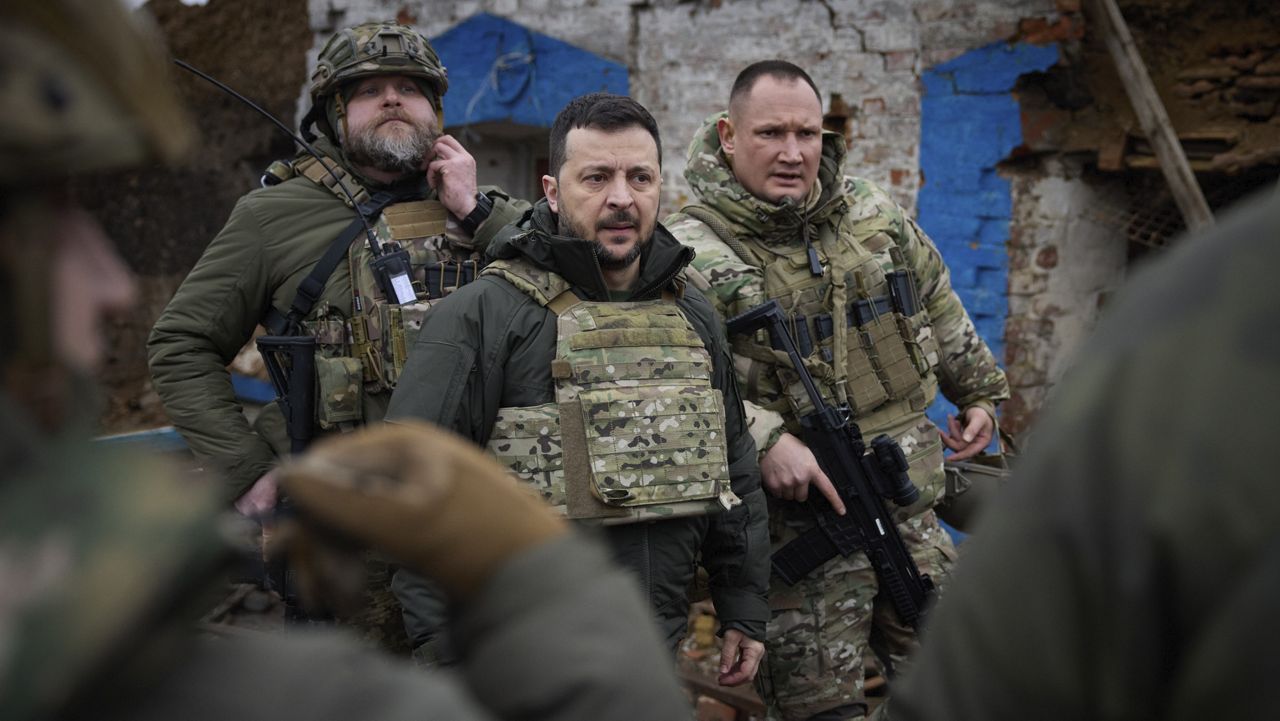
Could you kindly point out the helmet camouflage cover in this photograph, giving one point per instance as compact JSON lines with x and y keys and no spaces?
{"x":377,"y":49}
{"x":84,"y":87}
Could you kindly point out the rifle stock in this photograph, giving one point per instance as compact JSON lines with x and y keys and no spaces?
{"x":291,"y":363}
{"x":863,"y":479}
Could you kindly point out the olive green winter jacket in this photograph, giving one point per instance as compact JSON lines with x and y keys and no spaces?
{"x":490,"y":346}
{"x":1131,"y":570}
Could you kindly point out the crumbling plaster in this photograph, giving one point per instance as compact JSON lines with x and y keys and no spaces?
{"x":683,"y":56}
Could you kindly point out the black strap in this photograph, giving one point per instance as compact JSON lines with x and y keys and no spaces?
{"x":309,"y":290}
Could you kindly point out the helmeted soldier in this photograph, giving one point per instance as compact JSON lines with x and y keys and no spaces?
{"x":295,"y":257}
{"x":583,"y":361}
{"x":106,"y":558}
{"x":870,"y":303}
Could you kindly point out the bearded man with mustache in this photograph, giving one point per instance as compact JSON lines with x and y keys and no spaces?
{"x":377,"y":102}
{"x":583,"y":361}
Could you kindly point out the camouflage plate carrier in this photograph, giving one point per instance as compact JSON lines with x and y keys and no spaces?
{"x":366,"y":352}
{"x":876,"y":351}
{"x":636,"y":431}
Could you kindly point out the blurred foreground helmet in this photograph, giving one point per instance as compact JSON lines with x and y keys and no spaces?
{"x":84,"y":87}
{"x":377,"y":49}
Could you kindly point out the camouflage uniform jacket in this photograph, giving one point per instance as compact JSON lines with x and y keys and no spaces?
{"x":490,"y":346}
{"x":1145,"y":526}
{"x":864,"y":216}
{"x":271,"y":242}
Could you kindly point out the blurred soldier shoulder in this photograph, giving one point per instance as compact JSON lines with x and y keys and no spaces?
{"x":105,"y":560}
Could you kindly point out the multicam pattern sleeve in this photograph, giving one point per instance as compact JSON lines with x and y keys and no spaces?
{"x":968,"y":373}
{"x":732,"y":286}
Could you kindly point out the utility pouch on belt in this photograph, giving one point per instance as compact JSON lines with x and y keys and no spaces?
{"x":339,"y":382}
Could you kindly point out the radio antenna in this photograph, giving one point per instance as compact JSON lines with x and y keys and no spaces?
{"x":373,"y":241}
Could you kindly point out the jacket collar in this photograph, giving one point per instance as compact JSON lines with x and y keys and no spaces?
{"x":535,"y":239}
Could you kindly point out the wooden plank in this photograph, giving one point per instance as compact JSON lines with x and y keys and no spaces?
{"x":1151,"y":113}
{"x":742,"y":698}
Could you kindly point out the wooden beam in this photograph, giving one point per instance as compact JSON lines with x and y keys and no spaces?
{"x":1151,"y":113}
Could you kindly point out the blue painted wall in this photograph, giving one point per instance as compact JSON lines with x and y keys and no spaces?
{"x":970,"y":122}
{"x":502,"y":71}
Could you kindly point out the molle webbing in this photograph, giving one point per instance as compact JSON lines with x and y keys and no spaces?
{"x":653,"y":427}
{"x":444,"y":277}
{"x":314,"y":170}
{"x":636,"y":431}
{"x":415,"y":219}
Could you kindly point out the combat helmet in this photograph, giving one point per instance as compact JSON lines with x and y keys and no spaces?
{"x":379,"y":48}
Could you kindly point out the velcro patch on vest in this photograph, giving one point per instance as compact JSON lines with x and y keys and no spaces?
{"x":415,"y":219}
{"x":561,"y":369}
{"x":635,"y":338}
{"x":657,"y":370}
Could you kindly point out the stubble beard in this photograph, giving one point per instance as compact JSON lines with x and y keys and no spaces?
{"x":605,"y":256}
{"x":396,"y":151}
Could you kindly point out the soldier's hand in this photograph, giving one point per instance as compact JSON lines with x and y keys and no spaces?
{"x":260,"y":499}
{"x":740,"y":657}
{"x":972,"y":439}
{"x":452,"y":173}
{"x":788,"y":469}
{"x":424,"y":496}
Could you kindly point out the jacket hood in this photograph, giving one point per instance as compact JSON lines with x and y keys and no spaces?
{"x":711,"y":177}
{"x":535,"y":238}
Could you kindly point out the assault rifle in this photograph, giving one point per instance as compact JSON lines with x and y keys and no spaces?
{"x":861,"y":478}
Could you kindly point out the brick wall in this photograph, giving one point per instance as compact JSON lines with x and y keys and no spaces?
{"x":684,"y":55}
{"x":1064,"y":261}
{"x":971,"y":124}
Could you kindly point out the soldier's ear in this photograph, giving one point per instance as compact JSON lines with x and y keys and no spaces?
{"x":551,"y":189}
{"x":724,"y":127}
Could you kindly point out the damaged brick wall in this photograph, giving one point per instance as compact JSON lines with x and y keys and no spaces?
{"x":971,"y":123}
{"x":684,"y":55}
{"x":1064,"y":261}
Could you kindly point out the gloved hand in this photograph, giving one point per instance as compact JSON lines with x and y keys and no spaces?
{"x":423,"y":496}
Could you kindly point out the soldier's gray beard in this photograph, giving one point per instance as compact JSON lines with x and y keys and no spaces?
{"x":606,"y":258}
{"x":391,"y":152}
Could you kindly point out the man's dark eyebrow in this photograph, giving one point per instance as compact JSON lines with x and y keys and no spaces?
{"x":609,"y":168}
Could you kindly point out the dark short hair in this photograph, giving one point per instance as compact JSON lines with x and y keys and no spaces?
{"x":779,"y":69}
{"x":599,"y":111}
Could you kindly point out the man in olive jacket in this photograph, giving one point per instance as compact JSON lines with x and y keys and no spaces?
{"x":581,"y":354}
{"x":377,"y":98}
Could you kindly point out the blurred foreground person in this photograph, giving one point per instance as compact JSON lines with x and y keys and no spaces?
{"x":1134,"y":572}
{"x":105,"y":560}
